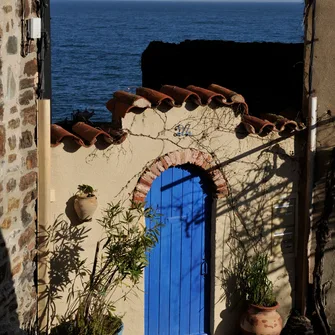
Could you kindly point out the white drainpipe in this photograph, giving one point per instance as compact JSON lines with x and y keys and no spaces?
{"x":43,"y":204}
{"x":310,"y":176}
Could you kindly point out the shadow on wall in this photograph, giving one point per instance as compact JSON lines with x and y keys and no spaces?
{"x":259,"y":210}
{"x":64,"y":242}
{"x":9,"y":321}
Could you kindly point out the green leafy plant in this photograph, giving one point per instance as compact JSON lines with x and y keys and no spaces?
{"x":85,"y":190}
{"x":258,"y":287}
{"x":247,"y":279}
{"x":119,"y":261}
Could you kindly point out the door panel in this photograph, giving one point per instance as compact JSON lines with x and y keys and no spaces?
{"x":175,"y":280}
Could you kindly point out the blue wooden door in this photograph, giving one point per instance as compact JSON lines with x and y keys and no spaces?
{"x":177,"y":279}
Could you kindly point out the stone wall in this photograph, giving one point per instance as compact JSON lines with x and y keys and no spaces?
{"x":18,"y":168}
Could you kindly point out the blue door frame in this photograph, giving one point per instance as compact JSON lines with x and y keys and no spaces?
{"x":177,"y":278}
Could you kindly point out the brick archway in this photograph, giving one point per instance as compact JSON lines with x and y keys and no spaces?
{"x":188,"y":156}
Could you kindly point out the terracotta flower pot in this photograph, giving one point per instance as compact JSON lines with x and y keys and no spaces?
{"x":259,"y":320}
{"x":85,"y":206}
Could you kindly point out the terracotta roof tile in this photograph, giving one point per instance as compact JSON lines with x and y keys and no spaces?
{"x":85,"y":134}
{"x":90,"y":134}
{"x":181,"y":95}
{"x":156,"y":98}
{"x":230,"y":96}
{"x":282,"y":123}
{"x":255,"y":125}
{"x":207,"y":96}
{"x":58,"y":133}
{"x":124,"y":102}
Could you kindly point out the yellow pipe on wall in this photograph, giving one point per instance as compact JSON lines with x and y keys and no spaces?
{"x":43,"y":209}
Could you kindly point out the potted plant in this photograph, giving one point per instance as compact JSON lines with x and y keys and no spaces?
{"x":85,"y":202}
{"x":119,"y":262}
{"x":261,"y":316}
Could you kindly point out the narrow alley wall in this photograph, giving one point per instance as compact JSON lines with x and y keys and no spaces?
{"x":319,"y":82}
{"x":18,"y":167}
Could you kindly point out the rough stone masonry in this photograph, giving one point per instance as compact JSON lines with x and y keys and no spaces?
{"x":18,"y":168}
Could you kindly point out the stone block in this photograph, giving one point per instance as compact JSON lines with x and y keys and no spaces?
{"x":26,"y":218}
{"x":13,"y":110}
{"x":26,"y":97}
{"x":2,"y":111}
{"x":26,"y":140}
{"x":7,"y":9}
{"x":12,"y":142}
{"x":2,"y":141}
{"x":26,"y":236}
{"x":27,"y":83}
{"x":11,"y":84}
{"x":31,"y":160}
{"x":30,"y":69}
{"x":28,"y":180}
{"x":14,"y":123}
{"x":11,"y":45}
{"x":12,"y":158}
{"x":30,"y":196}
{"x":11,"y":185}
{"x":6,"y":223}
{"x":29,"y":115}
{"x":13,"y":203}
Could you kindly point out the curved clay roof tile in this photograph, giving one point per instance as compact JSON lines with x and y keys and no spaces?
{"x":207,"y":96}
{"x":155,"y":97}
{"x":58,"y":133}
{"x":132,"y":99}
{"x":281,"y":122}
{"x":90,"y":134}
{"x":181,"y":95}
{"x":254,"y":125}
{"x":231,"y":96}
{"x":120,"y":108}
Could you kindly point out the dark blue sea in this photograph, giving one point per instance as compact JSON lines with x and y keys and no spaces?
{"x":97,"y":46}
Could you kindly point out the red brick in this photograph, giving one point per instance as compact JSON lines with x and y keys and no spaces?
{"x":139,"y":197}
{"x":154,"y":169}
{"x":142,"y":188}
{"x":160,"y":166}
{"x":220,"y":182}
{"x":195,"y":154}
{"x":200,"y":160}
{"x":188,"y":156}
{"x":164,"y":163}
{"x":178,"y":158}
{"x":145,"y":182}
{"x":172,"y":156}
{"x":168,"y":160}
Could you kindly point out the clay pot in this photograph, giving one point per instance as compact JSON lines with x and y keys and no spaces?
{"x":259,"y":320}
{"x":85,"y":206}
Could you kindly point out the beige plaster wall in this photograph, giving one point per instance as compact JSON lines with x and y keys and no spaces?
{"x":322,"y":78}
{"x":261,"y":174}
